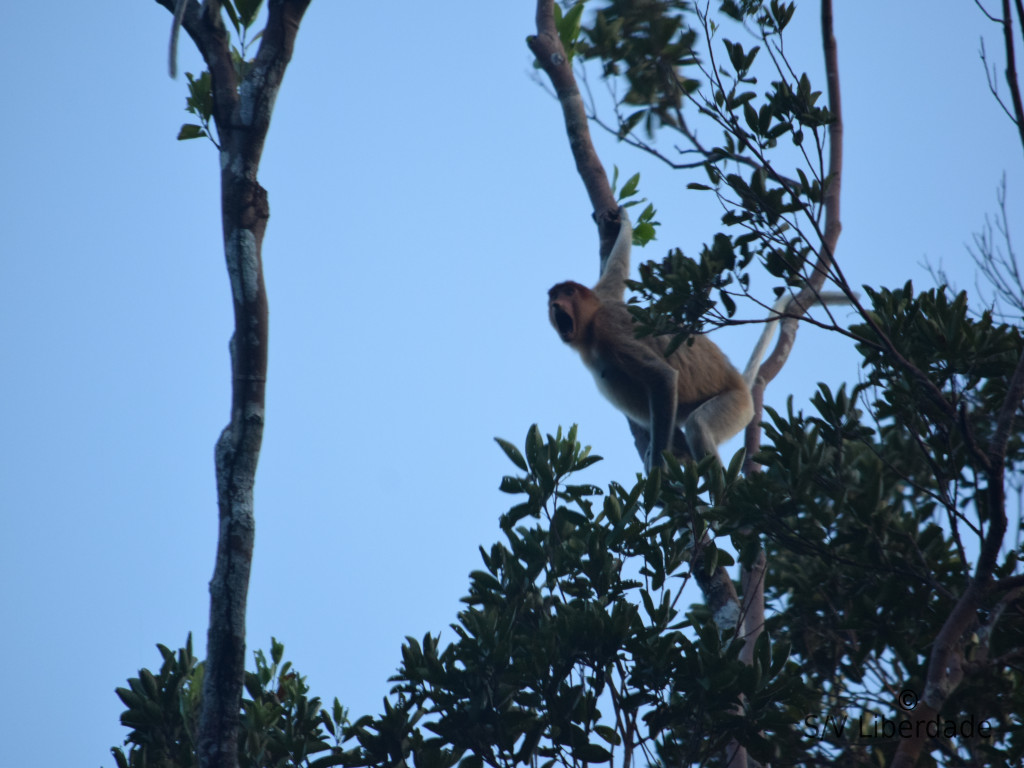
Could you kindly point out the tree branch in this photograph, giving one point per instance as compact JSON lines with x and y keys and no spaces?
{"x":547,"y":47}
{"x":829,"y":241}
{"x":1011,"y":65}
{"x":242,"y":113}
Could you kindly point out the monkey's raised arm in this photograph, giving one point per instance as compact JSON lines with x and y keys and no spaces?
{"x":612,"y":285}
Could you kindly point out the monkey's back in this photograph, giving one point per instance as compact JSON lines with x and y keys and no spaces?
{"x":704,"y":370}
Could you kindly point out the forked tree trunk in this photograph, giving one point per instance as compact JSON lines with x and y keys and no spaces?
{"x":241,"y":113}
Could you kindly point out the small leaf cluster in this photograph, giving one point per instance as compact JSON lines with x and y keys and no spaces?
{"x":674,"y":296}
{"x":568,"y":26}
{"x":789,"y":106}
{"x":649,"y":45}
{"x":644,"y":224}
{"x":162,"y":711}
{"x":941,"y":387}
{"x":776,"y":212}
{"x":242,"y":15}
{"x":280,"y":725}
{"x":199,"y":102}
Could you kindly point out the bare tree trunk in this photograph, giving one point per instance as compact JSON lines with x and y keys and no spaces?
{"x":241,"y":111}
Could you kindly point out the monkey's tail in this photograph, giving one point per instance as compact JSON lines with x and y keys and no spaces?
{"x":179,"y":14}
{"x":750,"y":372}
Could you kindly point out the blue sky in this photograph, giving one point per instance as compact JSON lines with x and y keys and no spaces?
{"x":423,"y":199}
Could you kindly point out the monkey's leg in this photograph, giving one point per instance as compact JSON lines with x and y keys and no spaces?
{"x":715,"y":421}
{"x":681,"y":447}
{"x":661,"y":392}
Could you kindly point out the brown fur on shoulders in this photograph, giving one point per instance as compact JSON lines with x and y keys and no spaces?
{"x":704,"y":370}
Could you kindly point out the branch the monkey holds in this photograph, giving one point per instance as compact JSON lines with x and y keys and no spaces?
{"x":690,"y":401}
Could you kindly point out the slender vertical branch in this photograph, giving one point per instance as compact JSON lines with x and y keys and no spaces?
{"x":1011,"y":63}
{"x":753,"y":580}
{"x":829,"y":239}
{"x":242,"y":113}
{"x":833,"y":223}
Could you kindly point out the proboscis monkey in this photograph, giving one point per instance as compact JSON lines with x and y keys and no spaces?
{"x":695,"y":393}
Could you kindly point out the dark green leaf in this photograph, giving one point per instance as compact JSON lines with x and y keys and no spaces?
{"x":247,"y":11}
{"x":190,"y":131}
{"x":513,"y":454}
{"x":591,"y":753}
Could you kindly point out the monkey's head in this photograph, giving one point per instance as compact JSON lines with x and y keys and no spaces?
{"x":570,"y":309}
